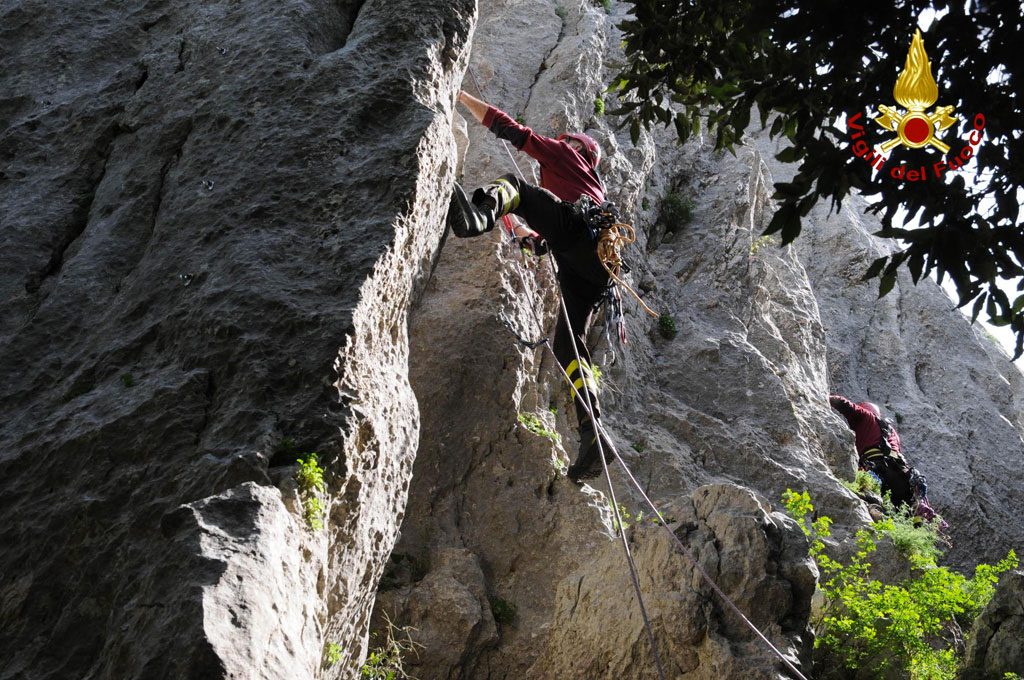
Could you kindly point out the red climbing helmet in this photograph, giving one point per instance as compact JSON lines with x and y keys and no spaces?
{"x":593,"y":151}
{"x":871,"y":407}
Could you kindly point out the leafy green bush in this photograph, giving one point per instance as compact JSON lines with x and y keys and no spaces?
{"x":504,"y":611}
{"x":916,"y":625}
{"x":913,"y":538}
{"x":310,"y":478}
{"x":676,"y":209}
{"x":667,"y":326}
{"x":864,"y":482}
{"x":598,"y":107}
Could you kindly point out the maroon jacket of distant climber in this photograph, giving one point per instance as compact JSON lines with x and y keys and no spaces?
{"x":865,"y":427}
{"x":563,"y":171}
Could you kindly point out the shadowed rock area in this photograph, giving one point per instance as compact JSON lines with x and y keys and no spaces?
{"x":214,"y":216}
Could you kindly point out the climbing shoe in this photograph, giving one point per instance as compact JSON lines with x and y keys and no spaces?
{"x":588,"y":461}
{"x":465,"y":218}
{"x":468,"y":218}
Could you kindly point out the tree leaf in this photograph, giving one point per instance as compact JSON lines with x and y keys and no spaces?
{"x":875,"y":268}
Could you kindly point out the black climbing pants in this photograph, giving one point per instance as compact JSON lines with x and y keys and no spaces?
{"x":895,"y":476}
{"x":581,"y":278}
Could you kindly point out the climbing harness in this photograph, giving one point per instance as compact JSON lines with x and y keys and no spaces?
{"x":614,"y":265}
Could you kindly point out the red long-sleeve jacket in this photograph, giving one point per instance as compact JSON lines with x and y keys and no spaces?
{"x":563,"y":171}
{"x":867,"y":433}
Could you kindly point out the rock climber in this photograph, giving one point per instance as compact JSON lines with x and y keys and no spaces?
{"x":570,"y":188}
{"x":879,"y":452}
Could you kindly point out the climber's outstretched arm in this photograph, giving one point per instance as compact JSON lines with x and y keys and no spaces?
{"x":476,"y":107}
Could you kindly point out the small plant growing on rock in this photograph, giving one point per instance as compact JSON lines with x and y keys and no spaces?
{"x":598,"y":107}
{"x":334,"y":653}
{"x":761,"y":243}
{"x":676,"y":209}
{"x":864,"y":482}
{"x":128,"y":380}
{"x":536,"y":426}
{"x":310,"y":478}
{"x":667,"y":327}
{"x":386,"y":661}
{"x":638,"y":447}
{"x":560,"y":11}
{"x":504,"y":611}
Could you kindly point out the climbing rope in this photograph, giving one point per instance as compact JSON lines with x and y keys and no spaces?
{"x":609,"y":247}
{"x":612,"y":262}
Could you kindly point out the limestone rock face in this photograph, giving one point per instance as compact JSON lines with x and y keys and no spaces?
{"x":214,"y":217}
{"x":736,"y":400}
{"x":996,"y":645}
{"x":758,"y":558}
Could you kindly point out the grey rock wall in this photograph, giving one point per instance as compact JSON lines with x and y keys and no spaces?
{"x":737,"y":400}
{"x":214,"y":216}
{"x":996,"y":646}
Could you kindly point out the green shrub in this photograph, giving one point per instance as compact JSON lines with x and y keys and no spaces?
{"x":864,"y":482}
{"x":607,"y":4}
{"x":504,"y":611}
{"x":598,"y":107}
{"x":676,"y":209}
{"x":914,"y":539}
{"x":310,"y":478}
{"x":916,"y":625}
{"x":536,"y":426}
{"x":667,"y":326}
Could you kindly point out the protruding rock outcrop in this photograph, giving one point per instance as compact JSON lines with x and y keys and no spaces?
{"x":214,"y":217}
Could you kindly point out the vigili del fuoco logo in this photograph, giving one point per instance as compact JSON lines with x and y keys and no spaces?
{"x":915,"y":128}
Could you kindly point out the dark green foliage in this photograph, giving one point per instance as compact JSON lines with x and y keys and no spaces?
{"x":128,"y":380}
{"x":807,"y":65}
{"x":667,"y":327}
{"x":676,"y":210}
{"x":504,"y":612}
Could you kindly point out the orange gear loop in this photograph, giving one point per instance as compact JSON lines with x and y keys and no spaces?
{"x":608,"y":246}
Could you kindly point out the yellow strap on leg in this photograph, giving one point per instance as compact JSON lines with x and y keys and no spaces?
{"x":509,"y":197}
{"x":586,"y":375}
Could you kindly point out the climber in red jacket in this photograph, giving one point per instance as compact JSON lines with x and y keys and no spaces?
{"x":557,"y":211}
{"x":878,"y":448}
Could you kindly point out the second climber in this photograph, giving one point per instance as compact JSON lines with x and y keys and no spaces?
{"x":570,"y":188}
